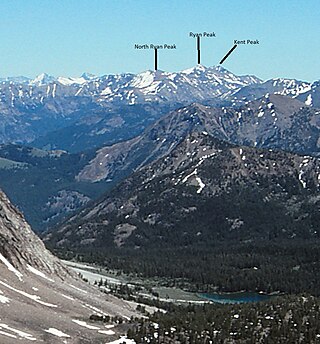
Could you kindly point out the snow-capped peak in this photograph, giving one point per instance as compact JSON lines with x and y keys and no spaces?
{"x":71,"y":81}
{"x":195,"y":84}
{"x":199,"y":68}
{"x":88,"y":76}
{"x":144,"y":79}
{"x":42,"y":79}
{"x":220,"y":69}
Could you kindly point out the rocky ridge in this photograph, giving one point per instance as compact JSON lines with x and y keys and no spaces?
{"x":41,"y":300}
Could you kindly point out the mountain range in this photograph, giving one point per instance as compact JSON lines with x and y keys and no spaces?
{"x":217,"y":192}
{"x":64,"y":113}
{"x":119,"y":135}
{"x":76,"y":114}
{"x":273,"y":121}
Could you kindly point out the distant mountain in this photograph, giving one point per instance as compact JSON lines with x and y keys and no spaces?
{"x":287,"y":87}
{"x":308,"y":93}
{"x":102,"y":126}
{"x":273,"y":121}
{"x":205,"y":191}
{"x":194,"y":84}
{"x":78,"y":113}
{"x":41,"y":80}
{"x":41,"y":300}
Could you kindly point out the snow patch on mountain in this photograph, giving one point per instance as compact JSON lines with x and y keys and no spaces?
{"x":16,"y":333}
{"x":38,"y":273}
{"x":11,"y":267}
{"x":201,"y":184}
{"x":67,"y":81}
{"x":57,"y":333}
{"x":309,"y":100}
{"x":3,"y":299}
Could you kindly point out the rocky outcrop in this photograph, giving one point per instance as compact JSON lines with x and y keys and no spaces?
{"x":20,"y":246}
{"x":42,"y":300}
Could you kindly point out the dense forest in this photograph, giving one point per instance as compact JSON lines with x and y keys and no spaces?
{"x":283,"y":320}
{"x":270,"y":266}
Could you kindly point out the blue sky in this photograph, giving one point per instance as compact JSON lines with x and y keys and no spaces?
{"x":69,"y":37}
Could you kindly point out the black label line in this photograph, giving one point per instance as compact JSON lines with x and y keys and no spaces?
{"x":198,"y":48}
{"x":155,"y":59}
{"x":228,"y":54}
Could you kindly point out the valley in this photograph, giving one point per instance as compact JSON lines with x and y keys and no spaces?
{"x":133,"y":286}
{"x":157,"y":289}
